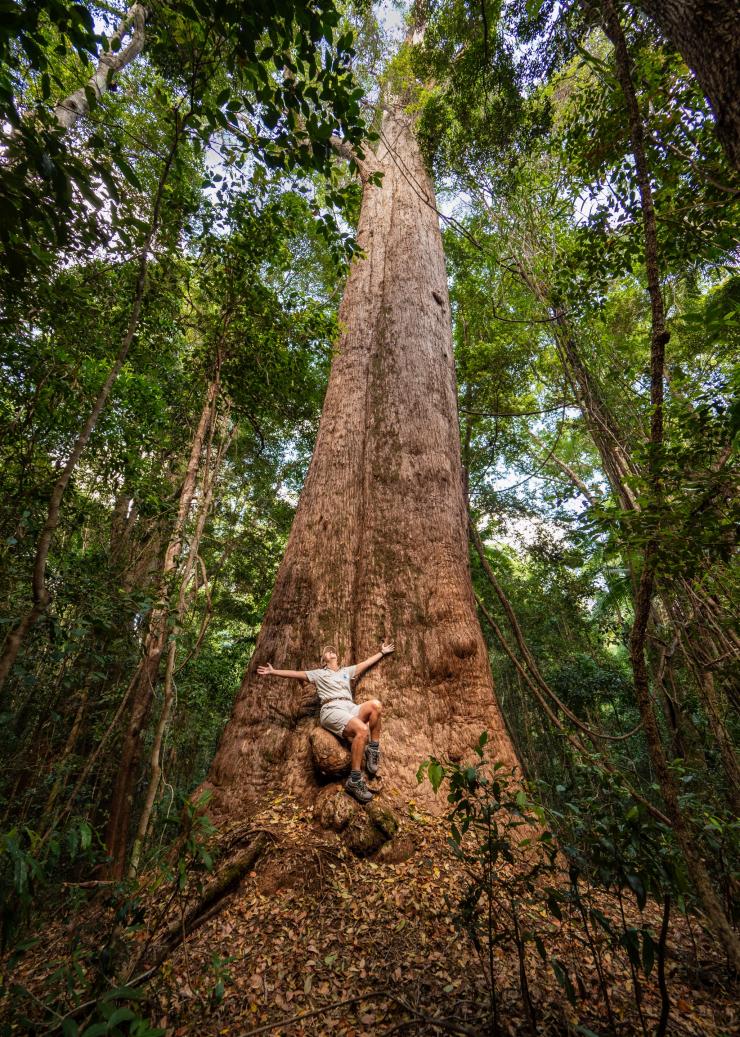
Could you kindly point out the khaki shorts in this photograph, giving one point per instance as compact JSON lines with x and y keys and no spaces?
{"x":335,"y":716}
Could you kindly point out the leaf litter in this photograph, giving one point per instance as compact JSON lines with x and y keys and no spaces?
{"x":318,"y":942}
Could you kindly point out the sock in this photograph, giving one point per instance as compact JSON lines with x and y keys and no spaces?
{"x":355,"y":776}
{"x":374,"y":744}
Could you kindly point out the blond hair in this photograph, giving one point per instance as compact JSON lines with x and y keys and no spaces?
{"x":325,"y":649}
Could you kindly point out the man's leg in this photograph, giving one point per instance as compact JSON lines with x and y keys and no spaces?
{"x":370,"y":713}
{"x":357,"y":733}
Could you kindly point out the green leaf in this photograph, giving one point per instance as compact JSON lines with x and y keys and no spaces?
{"x":436,"y":774}
{"x":636,"y":885}
{"x":121,"y":1015}
{"x":630,"y":940}
{"x":128,"y":171}
{"x":561,"y":975}
{"x":95,"y":1030}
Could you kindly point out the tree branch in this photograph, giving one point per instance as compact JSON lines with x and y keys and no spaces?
{"x":567,"y":470}
{"x":69,"y":111}
{"x":365,"y":163}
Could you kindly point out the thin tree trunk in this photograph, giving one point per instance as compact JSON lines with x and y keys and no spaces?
{"x":602,"y":425}
{"x":378,"y":547}
{"x":671,"y":710}
{"x":605,"y":432}
{"x":209,"y":480}
{"x":147,"y":673}
{"x":665,"y":1001}
{"x":529,"y":659}
{"x":722,"y":738}
{"x":156,"y":759}
{"x":710,"y":700}
{"x":69,"y":111}
{"x":684,"y":835}
{"x":67,"y":752}
{"x":41,"y":595}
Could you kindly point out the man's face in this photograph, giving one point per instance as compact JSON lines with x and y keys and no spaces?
{"x":330,"y":657}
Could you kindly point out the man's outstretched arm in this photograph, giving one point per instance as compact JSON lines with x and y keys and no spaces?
{"x":385,"y":649}
{"x":268,"y":671}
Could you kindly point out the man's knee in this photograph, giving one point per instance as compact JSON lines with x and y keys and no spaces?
{"x":357,"y":729}
{"x":374,"y":709}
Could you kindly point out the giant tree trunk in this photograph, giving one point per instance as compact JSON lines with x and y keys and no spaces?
{"x":378,"y":547}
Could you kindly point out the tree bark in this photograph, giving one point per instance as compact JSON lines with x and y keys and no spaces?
{"x":706,"y":33}
{"x":378,"y":547}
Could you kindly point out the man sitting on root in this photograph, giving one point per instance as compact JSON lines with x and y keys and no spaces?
{"x":340,"y":714}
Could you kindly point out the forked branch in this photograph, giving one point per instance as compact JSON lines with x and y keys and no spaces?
{"x":69,"y":111}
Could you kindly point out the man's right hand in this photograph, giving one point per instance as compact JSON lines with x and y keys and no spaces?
{"x":263,"y":671}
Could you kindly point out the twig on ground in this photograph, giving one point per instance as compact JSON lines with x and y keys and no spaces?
{"x":370,"y":996}
{"x":450,"y":1025}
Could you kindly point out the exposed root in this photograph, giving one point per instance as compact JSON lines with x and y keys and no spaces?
{"x":208,"y":903}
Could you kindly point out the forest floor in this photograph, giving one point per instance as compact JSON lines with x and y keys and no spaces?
{"x":369,"y":946}
{"x":314,"y":941}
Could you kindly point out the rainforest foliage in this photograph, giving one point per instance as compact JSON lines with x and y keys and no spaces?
{"x":172,"y":264}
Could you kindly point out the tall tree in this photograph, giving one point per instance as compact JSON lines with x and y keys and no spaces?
{"x":378,"y":547}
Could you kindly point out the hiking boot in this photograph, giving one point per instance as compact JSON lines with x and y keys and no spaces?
{"x":372,"y":760}
{"x":358,"y":790}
